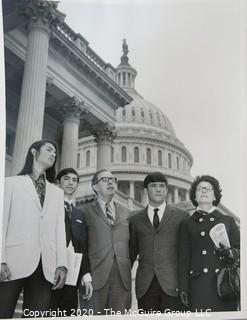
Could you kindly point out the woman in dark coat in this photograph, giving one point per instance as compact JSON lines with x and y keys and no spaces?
{"x":199,"y":259}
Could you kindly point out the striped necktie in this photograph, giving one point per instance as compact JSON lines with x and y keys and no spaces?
{"x":109,"y":214}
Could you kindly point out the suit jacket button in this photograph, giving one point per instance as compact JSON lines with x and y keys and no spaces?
{"x":217,"y":270}
{"x":205,"y":270}
{"x":204,"y":252}
{"x":191,"y":271}
{"x":201,"y":220}
{"x":211,"y":219}
{"x":203,"y":233}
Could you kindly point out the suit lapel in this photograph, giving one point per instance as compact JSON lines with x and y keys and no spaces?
{"x":146,"y":221}
{"x":166,"y":216}
{"x":30,"y":188}
{"x":117,"y":214}
{"x":48,"y":195}
{"x":99,"y":211}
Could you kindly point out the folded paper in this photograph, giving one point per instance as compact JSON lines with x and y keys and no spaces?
{"x":219,"y":235}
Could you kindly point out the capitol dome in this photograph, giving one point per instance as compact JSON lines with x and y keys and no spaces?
{"x":141,"y":111}
{"x":145,"y":142}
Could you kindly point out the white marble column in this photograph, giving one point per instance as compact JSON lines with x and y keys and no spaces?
{"x":40,"y":14}
{"x":72,"y":111}
{"x":176,"y":197}
{"x":130,"y":204}
{"x":104,"y":135}
{"x":144,"y":199}
{"x":132,"y":190}
{"x":169,"y":197}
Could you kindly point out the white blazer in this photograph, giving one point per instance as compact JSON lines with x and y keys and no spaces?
{"x":30,"y":231}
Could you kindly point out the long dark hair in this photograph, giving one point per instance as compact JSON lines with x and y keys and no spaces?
{"x":28,"y":166}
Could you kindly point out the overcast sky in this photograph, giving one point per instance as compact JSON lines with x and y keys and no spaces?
{"x":189,"y":58}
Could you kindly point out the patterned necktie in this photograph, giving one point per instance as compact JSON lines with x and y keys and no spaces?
{"x":68,"y":209}
{"x":40,"y":188}
{"x":109,"y":214}
{"x":156,"y":220}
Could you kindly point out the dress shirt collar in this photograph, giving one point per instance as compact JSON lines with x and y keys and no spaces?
{"x":161,"y":211}
{"x":70,"y":201}
{"x":34,"y":176}
{"x":102,"y":205}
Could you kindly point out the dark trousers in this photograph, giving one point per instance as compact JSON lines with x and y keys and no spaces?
{"x":65,"y":300}
{"x":155,"y":299}
{"x":36,"y":294}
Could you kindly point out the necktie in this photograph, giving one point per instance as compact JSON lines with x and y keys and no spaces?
{"x":68,"y":211}
{"x":156,"y":219}
{"x":109,"y":214}
{"x":68,"y":208}
{"x":40,"y":188}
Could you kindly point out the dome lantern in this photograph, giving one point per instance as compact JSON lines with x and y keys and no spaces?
{"x":126,"y":74}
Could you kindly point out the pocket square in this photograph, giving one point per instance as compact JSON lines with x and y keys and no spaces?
{"x":78,"y":221}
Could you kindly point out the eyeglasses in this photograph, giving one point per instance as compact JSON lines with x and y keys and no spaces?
{"x":156,"y":185}
{"x":107,"y":179}
{"x":206,"y":189}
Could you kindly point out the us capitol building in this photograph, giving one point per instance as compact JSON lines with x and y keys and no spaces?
{"x":145,"y":141}
{"x":58,"y":88}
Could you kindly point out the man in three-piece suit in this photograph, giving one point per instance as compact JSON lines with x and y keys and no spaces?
{"x":66,"y":299}
{"x":154,"y":237}
{"x":108,"y":246}
{"x":33,"y":236}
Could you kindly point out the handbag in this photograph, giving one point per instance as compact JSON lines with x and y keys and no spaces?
{"x":228,"y":282}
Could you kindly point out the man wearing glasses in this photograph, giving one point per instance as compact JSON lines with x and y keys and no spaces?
{"x":154,"y":238}
{"x":108,"y":247}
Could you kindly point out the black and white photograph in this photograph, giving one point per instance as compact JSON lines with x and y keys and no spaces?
{"x":123,"y":159}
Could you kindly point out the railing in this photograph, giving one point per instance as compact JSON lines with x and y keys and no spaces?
{"x":83,"y":45}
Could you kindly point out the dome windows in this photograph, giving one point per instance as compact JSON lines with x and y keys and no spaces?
{"x":88,"y":158}
{"x":165,"y":122}
{"x":142,"y":114}
{"x":158,"y":118}
{"x":124,"y":154}
{"x":148,"y":156}
{"x":136,"y":155}
{"x":178,"y":164}
{"x":169,"y":160}
{"x":160,"y":158}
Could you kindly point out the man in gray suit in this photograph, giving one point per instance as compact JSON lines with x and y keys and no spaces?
{"x":154,"y":237}
{"x":108,"y":247}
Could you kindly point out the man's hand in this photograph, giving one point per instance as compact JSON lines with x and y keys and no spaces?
{"x":184,"y":298}
{"x":60,"y":277}
{"x":88,"y":290}
{"x":4,"y":273}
